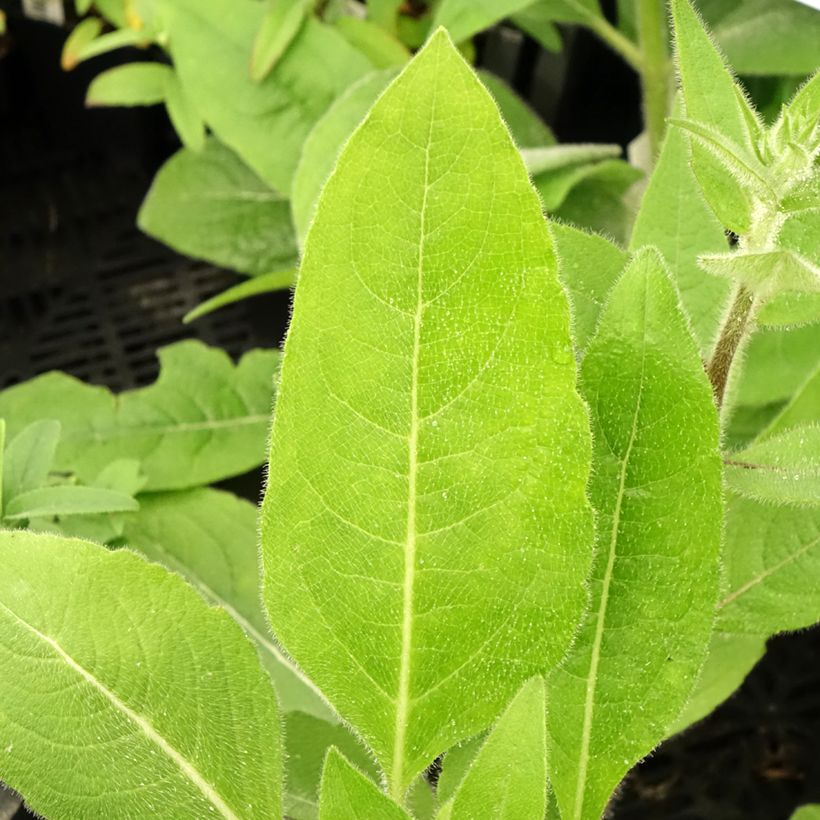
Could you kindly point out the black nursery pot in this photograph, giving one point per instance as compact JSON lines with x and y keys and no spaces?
{"x":83,"y":291}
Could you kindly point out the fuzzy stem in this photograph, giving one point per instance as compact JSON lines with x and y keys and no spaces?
{"x":732,"y":334}
{"x":652,"y":37}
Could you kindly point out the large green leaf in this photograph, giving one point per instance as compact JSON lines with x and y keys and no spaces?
{"x":427,"y":488}
{"x":508,"y":778}
{"x":657,"y":489}
{"x":210,"y":205}
{"x":674,"y":218}
{"x":348,"y":795}
{"x":713,"y":99}
{"x":771,"y":37}
{"x":28,"y":458}
{"x":589,"y":266}
{"x":265,"y":122}
{"x":209,"y":537}
{"x":125,"y":695}
{"x":203,"y":420}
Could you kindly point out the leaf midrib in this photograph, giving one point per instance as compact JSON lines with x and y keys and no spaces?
{"x":403,"y":697}
{"x":592,"y":678}
{"x":190,"y":772}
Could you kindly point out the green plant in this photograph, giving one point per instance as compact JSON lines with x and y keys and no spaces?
{"x":436,"y":580}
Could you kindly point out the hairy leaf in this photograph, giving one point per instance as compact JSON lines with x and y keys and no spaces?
{"x":203,"y":420}
{"x":784,"y":469}
{"x":426,"y":491}
{"x":767,"y":273}
{"x":348,"y":795}
{"x":674,"y":218}
{"x":711,"y":97}
{"x":210,"y":205}
{"x":163,"y":707}
{"x":209,"y":537}
{"x":589,"y":265}
{"x":264,"y":283}
{"x":527,"y":128}
{"x":130,"y":84}
{"x":656,"y":487}
{"x":325,"y":141}
{"x":508,"y":778}
{"x":266,"y":122}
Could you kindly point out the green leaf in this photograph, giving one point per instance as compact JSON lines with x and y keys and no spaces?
{"x":105,"y":43}
{"x":203,"y":420}
{"x":29,"y":457}
{"x":130,"y":84}
{"x":803,"y":408}
{"x":731,"y":658}
{"x":184,"y":115}
{"x":808,"y":812}
{"x":324,"y":143}
{"x":801,"y":234}
{"x":657,"y":488}
{"x":280,"y":24}
{"x":771,"y":565}
{"x":210,"y":205}
{"x":379,"y":46}
{"x":348,"y":795}
{"x":771,"y":37}
{"x":527,"y":128}
{"x":711,"y":98}
{"x":209,"y":537}
{"x":765,"y":274}
{"x":130,"y":659}
{"x":264,"y":283}
{"x":674,"y":219}
{"x":508,"y":778}
{"x":464,"y":18}
{"x":777,"y":362}
{"x":83,"y":33}
{"x":790,"y":310}
{"x":307,"y":741}
{"x":455,"y":765}
{"x":785,"y":468}
{"x":598,"y":199}
{"x":266,"y":122}
{"x":589,"y":265}
{"x":2,"y":464}
{"x":67,"y":499}
{"x":384,"y":13}
{"x":537,"y":20}
{"x":447,"y":443}
{"x":563,"y":11}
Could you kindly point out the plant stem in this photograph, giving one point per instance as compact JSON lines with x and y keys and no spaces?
{"x":615,"y":40}
{"x":732,"y":334}
{"x":654,"y":69}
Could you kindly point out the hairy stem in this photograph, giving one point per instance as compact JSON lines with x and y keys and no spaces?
{"x":735,"y":328}
{"x":654,"y":69}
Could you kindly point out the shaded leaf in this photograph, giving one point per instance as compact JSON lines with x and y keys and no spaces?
{"x":210,"y":205}
{"x":203,"y":420}
{"x":280,"y":24}
{"x":508,"y":778}
{"x":656,"y":486}
{"x":424,"y":454}
{"x":464,"y":18}
{"x":784,"y":468}
{"x":67,"y":499}
{"x":527,"y":128}
{"x":28,"y":458}
{"x":184,"y":115}
{"x":381,"y":48}
{"x":83,"y":33}
{"x":803,"y":408}
{"x":264,"y":283}
{"x":130,"y":84}
{"x":348,"y":795}
{"x":134,"y":659}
